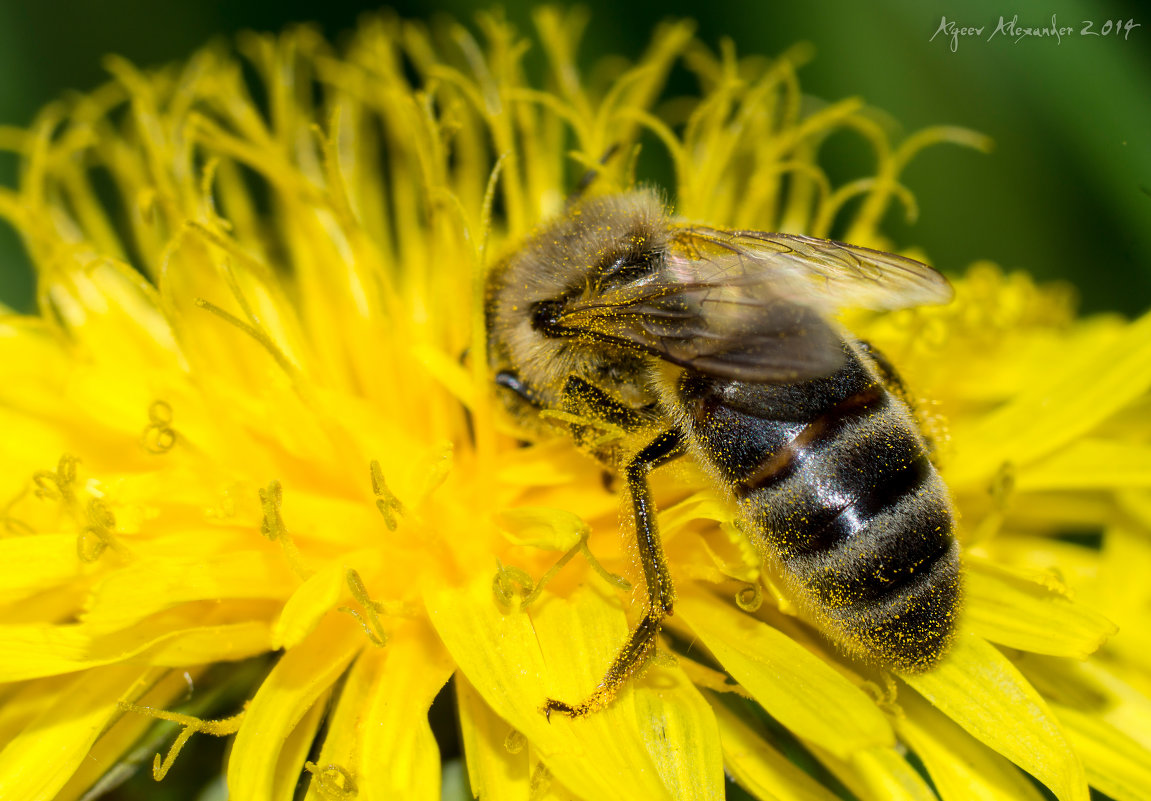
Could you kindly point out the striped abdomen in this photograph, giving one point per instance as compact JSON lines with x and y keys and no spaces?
{"x":833,"y":478}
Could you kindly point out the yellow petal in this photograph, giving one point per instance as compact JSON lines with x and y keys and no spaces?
{"x":20,"y":702}
{"x":448,"y":371}
{"x":495,"y":753}
{"x":148,"y":586}
{"x":700,"y":506}
{"x":295,"y":750}
{"x":308,"y":604}
{"x":758,"y":767}
{"x":33,"y":650}
{"x":1042,"y":557}
{"x":541,"y":527}
{"x":112,"y":312}
{"x":878,"y":774}
{"x":554,"y":462}
{"x":800,"y":690}
{"x":1137,"y":503}
{"x":193,"y":271}
{"x":1128,"y":710}
{"x":1008,"y":607}
{"x":206,"y":644}
{"x":1093,"y":690}
{"x":31,"y":564}
{"x":40,"y":760}
{"x":978,"y":688}
{"x":559,"y":648}
{"x":36,"y":649}
{"x":501,"y":763}
{"x":301,"y":676}
{"x":110,"y":759}
{"x":960,"y":766}
{"x":1115,"y":764}
{"x":400,"y":758}
{"x":38,"y":427}
{"x":1089,"y":463}
{"x":543,"y":784}
{"x":683,"y":738}
{"x":1058,"y":408}
{"x":32,"y":360}
{"x":1121,"y":588}
{"x":336,"y":769}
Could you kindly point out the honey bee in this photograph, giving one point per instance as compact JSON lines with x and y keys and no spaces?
{"x":718,"y":345}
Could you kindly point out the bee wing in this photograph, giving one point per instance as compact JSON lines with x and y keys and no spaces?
{"x":821,"y":273}
{"x":748,"y":305}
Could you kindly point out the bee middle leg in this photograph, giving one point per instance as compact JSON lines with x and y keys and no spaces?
{"x":660,"y":591}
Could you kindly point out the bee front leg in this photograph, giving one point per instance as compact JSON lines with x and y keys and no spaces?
{"x":584,"y":397}
{"x":660,"y":591}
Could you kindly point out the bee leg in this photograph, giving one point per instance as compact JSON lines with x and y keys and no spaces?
{"x":894,"y":384}
{"x":887,"y":372}
{"x":660,"y":591}
{"x":582,"y":397}
{"x":510,"y":380}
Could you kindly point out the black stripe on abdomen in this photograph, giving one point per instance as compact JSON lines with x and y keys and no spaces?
{"x":885,"y":556}
{"x":840,"y":521}
{"x":778,"y":465}
{"x":860,"y":518}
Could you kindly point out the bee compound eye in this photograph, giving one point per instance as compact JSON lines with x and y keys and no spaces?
{"x":545,"y":315}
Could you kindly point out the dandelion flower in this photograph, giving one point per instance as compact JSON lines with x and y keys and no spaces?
{"x":249,"y":418}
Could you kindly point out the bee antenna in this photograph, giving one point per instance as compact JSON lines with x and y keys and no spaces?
{"x":469,"y":422}
{"x":591,"y":175}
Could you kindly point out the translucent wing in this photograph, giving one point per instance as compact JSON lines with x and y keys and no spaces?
{"x":822,"y":273}
{"x":746,"y":305}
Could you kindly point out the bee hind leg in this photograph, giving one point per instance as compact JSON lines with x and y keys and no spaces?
{"x":660,"y":591}
{"x":893,"y":382}
{"x":891,"y":378}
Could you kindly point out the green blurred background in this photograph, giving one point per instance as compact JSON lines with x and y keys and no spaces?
{"x":1065,"y":194}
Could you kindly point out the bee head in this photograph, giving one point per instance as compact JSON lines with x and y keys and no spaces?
{"x":598,"y":244}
